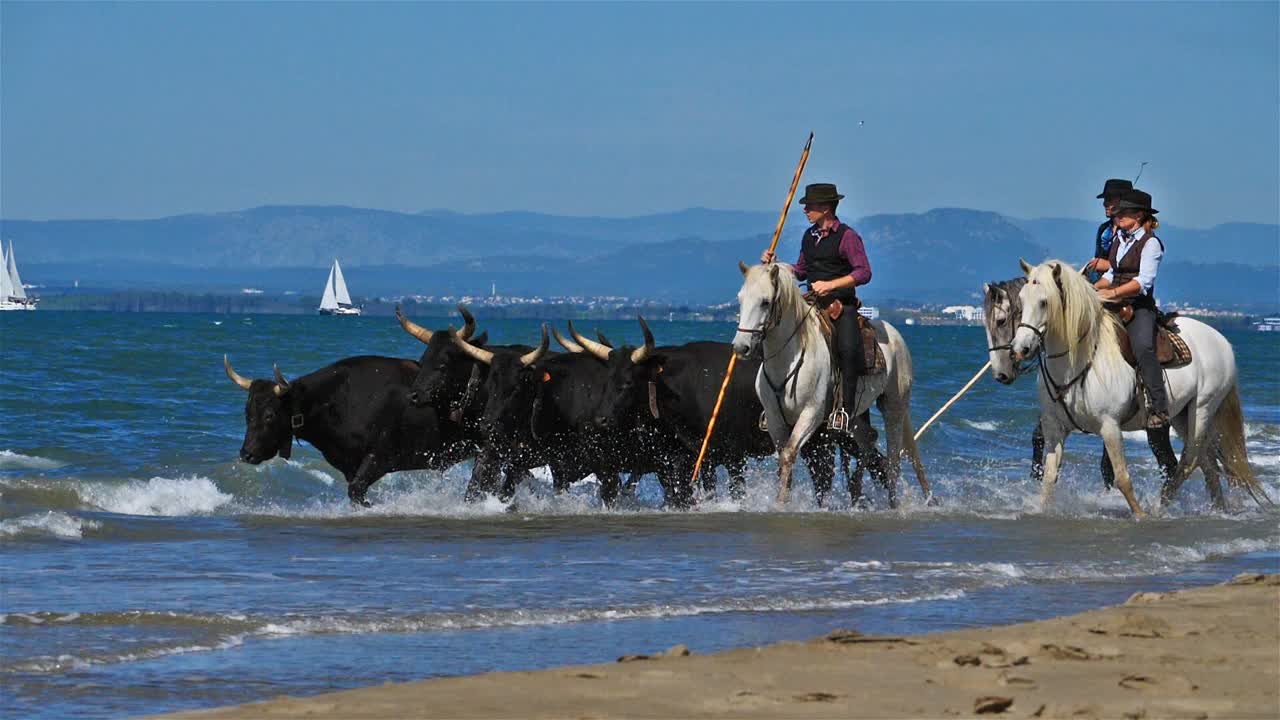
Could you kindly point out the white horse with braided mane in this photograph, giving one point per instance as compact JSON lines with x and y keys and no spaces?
{"x":1086,"y":385}
{"x":795,"y":378}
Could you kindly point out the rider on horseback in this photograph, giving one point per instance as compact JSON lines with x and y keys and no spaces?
{"x":834,"y":261}
{"x":1129,"y":285}
{"x":1110,"y":195}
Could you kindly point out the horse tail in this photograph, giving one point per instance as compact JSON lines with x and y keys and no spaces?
{"x":1232,"y":453}
{"x":913,"y":451}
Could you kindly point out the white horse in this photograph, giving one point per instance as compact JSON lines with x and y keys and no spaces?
{"x":1086,"y":385}
{"x":795,"y":378}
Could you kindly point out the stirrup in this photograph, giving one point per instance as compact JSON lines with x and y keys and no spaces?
{"x":838,"y":420}
{"x":764,"y":422}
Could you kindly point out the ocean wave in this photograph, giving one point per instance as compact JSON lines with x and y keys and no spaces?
{"x":57,"y":524}
{"x":226,"y":631}
{"x":986,"y":425}
{"x":190,"y":495}
{"x":10,"y":460}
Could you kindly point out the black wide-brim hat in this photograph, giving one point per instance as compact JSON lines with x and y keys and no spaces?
{"x":820,"y":193}
{"x":1135,"y":200}
{"x":1115,"y":186}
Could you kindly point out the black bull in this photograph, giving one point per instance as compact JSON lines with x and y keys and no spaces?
{"x":668,"y":394}
{"x":356,"y":413}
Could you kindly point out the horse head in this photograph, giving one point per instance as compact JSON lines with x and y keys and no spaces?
{"x":760,"y":302}
{"x":1002,"y":311}
{"x":1058,"y":305}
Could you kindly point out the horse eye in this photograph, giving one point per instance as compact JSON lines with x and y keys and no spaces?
{"x":1000,"y":322}
{"x":764,"y":303}
{"x":1044,"y":303}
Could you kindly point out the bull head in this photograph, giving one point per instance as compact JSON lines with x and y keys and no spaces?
{"x":641,"y":354}
{"x":599,"y":351}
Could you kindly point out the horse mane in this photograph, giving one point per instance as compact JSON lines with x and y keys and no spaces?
{"x":1076,"y":317}
{"x":791,"y":301}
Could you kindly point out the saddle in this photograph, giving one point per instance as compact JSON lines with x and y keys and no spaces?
{"x":1171,"y":350}
{"x":832,"y":309}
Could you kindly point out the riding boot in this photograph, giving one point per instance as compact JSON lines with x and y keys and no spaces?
{"x":1142,"y":338}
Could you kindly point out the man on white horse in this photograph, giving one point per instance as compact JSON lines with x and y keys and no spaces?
{"x":834,"y":262}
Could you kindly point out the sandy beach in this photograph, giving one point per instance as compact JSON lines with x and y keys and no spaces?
{"x":1209,"y":652}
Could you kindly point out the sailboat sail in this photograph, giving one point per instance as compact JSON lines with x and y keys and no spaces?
{"x":6,"y":285}
{"x":329,"y":302}
{"x":340,"y":286}
{"x":17,"y":291}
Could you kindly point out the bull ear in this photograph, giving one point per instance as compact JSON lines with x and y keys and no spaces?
{"x":743,"y":267}
{"x":1026,"y":269}
{"x":480,"y":340}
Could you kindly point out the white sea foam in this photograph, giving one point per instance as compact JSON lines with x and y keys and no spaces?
{"x":10,"y":460}
{"x":190,"y":495}
{"x":987,"y":425}
{"x":316,"y":473}
{"x":53,"y":523}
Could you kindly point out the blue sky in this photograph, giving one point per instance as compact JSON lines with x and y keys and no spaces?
{"x":145,"y":110}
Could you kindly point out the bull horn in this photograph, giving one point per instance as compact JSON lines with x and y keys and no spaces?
{"x":566,"y":343}
{"x":603,"y":340}
{"x":414,"y":329}
{"x":236,"y":378}
{"x":596,"y":349}
{"x":641,"y":354}
{"x":478,"y":354}
{"x":536,"y":354}
{"x":468,"y":322}
{"x":282,"y":384}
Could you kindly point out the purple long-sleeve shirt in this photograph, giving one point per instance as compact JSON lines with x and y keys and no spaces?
{"x":851,"y":249}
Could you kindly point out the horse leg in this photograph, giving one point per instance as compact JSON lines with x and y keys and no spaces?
{"x":1037,"y":454}
{"x":848,"y":450}
{"x":1212,"y":479}
{"x":1114,"y":440}
{"x":737,"y":479}
{"x":821,"y":459}
{"x":893,"y":425}
{"x":1054,"y":437}
{"x":806,"y":425}
{"x":1197,"y":419}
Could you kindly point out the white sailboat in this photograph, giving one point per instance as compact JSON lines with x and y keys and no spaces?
{"x":336,"y":300}
{"x":13,"y":296}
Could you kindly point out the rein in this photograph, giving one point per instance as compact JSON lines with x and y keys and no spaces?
{"x":1053,"y":386}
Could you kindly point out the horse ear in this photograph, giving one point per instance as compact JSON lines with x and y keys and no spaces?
{"x":1057,"y":272}
{"x":743,"y":267}
{"x":986,"y":288}
{"x":1026,"y":269}
{"x":773,"y":271}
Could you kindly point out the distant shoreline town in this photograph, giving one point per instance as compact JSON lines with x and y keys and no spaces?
{"x":494,"y":305}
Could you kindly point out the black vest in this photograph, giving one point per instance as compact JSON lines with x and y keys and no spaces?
{"x":1127,"y":268}
{"x":823,"y":261}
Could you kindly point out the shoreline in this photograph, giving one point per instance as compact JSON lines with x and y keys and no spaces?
{"x":1204,"y":652}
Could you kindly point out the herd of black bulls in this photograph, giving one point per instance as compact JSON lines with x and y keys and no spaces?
{"x":592,"y":410}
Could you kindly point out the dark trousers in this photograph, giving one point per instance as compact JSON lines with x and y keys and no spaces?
{"x":853,"y":363}
{"x":1142,"y":337}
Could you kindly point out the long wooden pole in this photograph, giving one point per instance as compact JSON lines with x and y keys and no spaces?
{"x":733,"y":358}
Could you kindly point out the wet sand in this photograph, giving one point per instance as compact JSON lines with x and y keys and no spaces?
{"x":1211,"y":652}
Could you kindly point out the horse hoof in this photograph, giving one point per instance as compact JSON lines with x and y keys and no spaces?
{"x":931,"y":501}
{"x":862,"y":502}
{"x":361,"y":502}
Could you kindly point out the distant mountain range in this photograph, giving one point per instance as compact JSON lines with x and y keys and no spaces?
{"x":688,"y":256}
